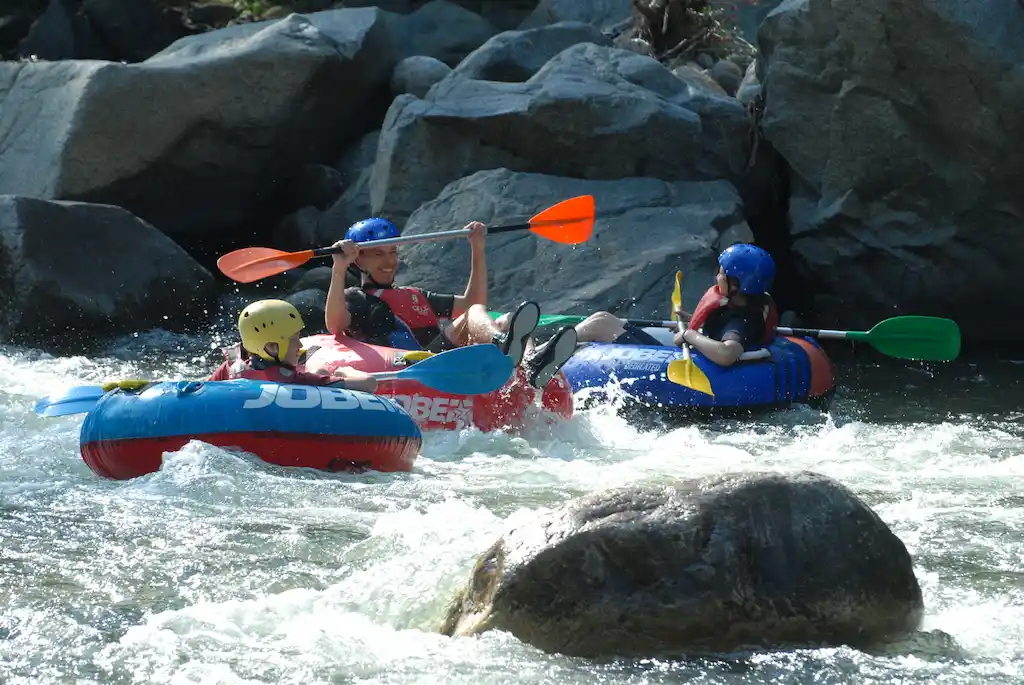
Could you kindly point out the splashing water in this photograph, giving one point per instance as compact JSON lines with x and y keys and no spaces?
{"x":220,"y":568}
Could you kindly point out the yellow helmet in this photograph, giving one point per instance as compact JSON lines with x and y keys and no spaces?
{"x":268,"y":321}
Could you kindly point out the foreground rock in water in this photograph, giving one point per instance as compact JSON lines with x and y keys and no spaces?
{"x":70,"y":269}
{"x":646,"y":231}
{"x":713,"y":565}
{"x":901,"y":122}
{"x":590,"y":112}
{"x":202,"y":136}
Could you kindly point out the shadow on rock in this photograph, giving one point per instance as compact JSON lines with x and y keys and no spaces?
{"x":726,"y":563}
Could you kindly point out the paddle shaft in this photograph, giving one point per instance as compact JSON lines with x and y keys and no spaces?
{"x":390,"y":376}
{"x":781,"y":330}
{"x":395,"y":375}
{"x":422,"y":238}
{"x":82,"y":405}
{"x":564,"y":319}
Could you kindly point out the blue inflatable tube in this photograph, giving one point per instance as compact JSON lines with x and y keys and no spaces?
{"x":792,"y":370}
{"x":126,"y":433}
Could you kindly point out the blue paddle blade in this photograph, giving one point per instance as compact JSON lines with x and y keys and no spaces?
{"x":77,"y":400}
{"x":470,"y":370}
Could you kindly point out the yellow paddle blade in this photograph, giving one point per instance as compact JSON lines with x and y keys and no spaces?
{"x":128,"y":384}
{"x":413,"y":356}
{"x":677,"y":296}
{"x":684,"y":372}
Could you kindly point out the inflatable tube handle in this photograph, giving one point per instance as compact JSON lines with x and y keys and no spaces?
{"x":188,"y":387}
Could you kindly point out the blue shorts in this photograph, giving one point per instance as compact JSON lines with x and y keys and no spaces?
{"x":636,"y":336}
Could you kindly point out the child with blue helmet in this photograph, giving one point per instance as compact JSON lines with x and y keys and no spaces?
{"x":736,"y":313}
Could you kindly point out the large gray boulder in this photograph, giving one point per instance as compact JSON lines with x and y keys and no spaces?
{"x":134,"y":29}
{"x":712,"y":565}
{"x":203,"y":135}
{"x":749,"y":14}
{"x":646,"y":230}
{"x":517,"y":55}
{"x":590,"y":112}
{"x":506,"y":14}
{"x":63,"y":32}
{"x":900,"y":120}
{"x":69,"y":270}
{"x":440,"y":29}
{"x":599,"y":13}
{"x":417,"y":74}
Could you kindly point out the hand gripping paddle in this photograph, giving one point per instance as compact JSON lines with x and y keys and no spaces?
{"x":683,"y":371}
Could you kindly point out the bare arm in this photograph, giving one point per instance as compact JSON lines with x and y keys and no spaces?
{"x":336,"y":316}
{"x":722,"y":352}
{"x":476,"y":287}
{"x":351,"y":379}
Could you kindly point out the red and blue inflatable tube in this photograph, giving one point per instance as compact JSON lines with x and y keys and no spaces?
{"x":126,"y":433}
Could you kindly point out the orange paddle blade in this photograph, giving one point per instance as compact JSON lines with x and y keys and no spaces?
{"x":569,"y":222}
{"x":253,"y":263}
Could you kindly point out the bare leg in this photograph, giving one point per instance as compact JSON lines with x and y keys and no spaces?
{"x":476,"y":327}
{"x":600,"y":327}
{"x":503,"y":321}
{"x":457,"y":330}
{"x":541,"y":362}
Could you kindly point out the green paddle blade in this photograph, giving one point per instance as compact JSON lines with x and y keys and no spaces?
{"x":560,"y":320}
{"x":925,"y":338}
{"x":550,"y":319}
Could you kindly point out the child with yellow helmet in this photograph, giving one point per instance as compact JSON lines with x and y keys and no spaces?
{"x":271,"y":350}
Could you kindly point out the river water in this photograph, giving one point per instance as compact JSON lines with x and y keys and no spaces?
{"x":222,"y":569}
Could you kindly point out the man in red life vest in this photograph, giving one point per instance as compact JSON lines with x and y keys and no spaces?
{"x":270,"y":351}
{"x":380,"y":313}
{"x":734,"y":315}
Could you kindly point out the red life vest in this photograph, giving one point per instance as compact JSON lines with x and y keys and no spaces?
{"x":270,"y":372}
{"x":408,"y":304}
{"x":714,"y":300}
{"x":275,"y":373}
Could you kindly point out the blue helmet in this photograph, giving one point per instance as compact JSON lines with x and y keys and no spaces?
{"x":750,"y":265}
{"x":371,"y":229}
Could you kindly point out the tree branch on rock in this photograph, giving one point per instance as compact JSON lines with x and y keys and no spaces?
{"x":680,"y":29}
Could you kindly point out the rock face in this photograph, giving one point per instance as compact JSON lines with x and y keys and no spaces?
{"x":70,"y":269}
{"x":648,"y":229}
{"x":196,"y":138}
{"x":897,"y":119}
{"x":440,"y":29}
{"x":417,"y":74}
{"x":600,"y":13}
{"x":515,"y":56}
{"x":590,"y":112}
{"x":733,"y":561}
{"x":129,"y":30}
{"x":880,"y":173}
